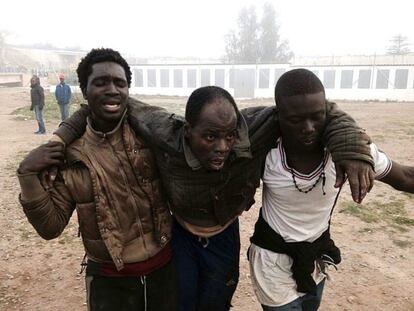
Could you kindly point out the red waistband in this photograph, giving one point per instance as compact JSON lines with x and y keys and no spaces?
{"x":132,"y":269}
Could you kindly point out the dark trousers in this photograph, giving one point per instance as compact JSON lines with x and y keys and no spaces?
{"x":155,"y":292}
{"x":208,"y":268}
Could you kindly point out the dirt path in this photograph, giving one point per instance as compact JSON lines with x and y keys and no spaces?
{"x":34,"y":274}
{"x":377,"y":272}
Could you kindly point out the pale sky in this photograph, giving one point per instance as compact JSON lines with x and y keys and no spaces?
{"x":195,"y":28}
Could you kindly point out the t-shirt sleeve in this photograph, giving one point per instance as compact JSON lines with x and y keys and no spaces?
{"x":382,"y":163}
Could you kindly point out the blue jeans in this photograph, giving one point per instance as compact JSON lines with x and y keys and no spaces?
{"x":305,"y":303}
{"x":64,"y":111}
{"x":39,"y":118}
{"x":208,"y":268}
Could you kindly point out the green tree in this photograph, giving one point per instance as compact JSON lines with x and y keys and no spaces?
{"x":273,"y":48}
{"x":255,"y":42}
{"x":399,"y":45}
{"x":3,"y":35}
{"x":241,"y":46}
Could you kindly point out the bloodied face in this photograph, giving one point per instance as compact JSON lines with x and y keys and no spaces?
{"x":212,"y":137}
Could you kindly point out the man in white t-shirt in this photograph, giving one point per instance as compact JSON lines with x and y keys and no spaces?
{"x":291,"y":245}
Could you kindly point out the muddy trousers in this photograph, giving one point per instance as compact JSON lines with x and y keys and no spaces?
{"x":155,"y":292}
{"x":208,"y":268}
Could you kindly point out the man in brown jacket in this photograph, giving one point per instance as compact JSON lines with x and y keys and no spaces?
{"x":111,"y":180}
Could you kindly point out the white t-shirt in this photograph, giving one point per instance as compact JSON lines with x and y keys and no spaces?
{"x":297,"y":217}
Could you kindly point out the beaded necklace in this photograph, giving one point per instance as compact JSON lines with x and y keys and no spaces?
{"x":321,"y":176}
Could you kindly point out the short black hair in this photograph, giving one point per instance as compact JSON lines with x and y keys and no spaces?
{"x":100,"y":55}
{"x":297,"y":82}
{"x":202,"y":96}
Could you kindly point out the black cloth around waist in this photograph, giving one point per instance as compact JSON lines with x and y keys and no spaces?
{"x":303,"y":254}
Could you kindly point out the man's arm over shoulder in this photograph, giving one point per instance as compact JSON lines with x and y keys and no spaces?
{"x":256,"y":115}
{"x":152,"y":116}
{"x":350,"y":149}
{"x":263,"y":127}
{"x":74,"y":127}
{"x":48,"y":209}
{"x":155,"y":124}
{"x":344,"y":138}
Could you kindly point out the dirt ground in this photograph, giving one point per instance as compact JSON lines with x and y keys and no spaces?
{"x":377,"y":272}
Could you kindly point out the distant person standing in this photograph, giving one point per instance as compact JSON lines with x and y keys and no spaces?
{"x":37,"y":96}
{"x":63,"y":94}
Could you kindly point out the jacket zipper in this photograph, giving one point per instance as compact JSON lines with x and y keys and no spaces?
{"x":134,"y":203}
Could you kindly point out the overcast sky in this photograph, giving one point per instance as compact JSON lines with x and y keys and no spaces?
{"x":196,"y":28}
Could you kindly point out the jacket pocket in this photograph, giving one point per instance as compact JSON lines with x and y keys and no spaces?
{"x":96,"y":250}
{"x":144,"y":163}
{"x":88,"y":224}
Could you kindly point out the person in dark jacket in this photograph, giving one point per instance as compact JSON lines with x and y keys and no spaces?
{"x":63,"y":94}
{"x":37,"y":96}
{"x":211,"y":164}
{"x":111,"y":180}
{"x":291,"y":245}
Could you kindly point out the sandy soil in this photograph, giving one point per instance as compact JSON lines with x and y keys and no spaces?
{"x":377,"y":272}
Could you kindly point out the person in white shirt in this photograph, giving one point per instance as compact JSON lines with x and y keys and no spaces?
{"x":291,"y":244}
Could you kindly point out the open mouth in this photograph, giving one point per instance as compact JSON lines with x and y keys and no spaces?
{"x":217,"y":162}
{"x":112,"y":107}
{"x":308,"y":140}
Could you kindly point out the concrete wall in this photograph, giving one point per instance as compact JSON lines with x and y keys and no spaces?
{"x":258,"y":81}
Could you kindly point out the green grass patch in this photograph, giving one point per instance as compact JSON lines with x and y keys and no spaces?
{"x":25,"y":233}
{"x":409,"y":195}
{"x":404,"y":221}
{"x":399,"y":228}
{"x":410,"y":132}
{"x":50,"y":111}
{"x":402,"y":244}
{"x":366,"y":230}
{"x":359,"y":211}
{"x":393,"y":213}
{"x":378,"y":138}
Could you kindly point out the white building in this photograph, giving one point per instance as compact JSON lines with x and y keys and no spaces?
{"x":345,"y":78}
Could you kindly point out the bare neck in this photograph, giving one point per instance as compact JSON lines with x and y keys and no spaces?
{"x":304,"y":160}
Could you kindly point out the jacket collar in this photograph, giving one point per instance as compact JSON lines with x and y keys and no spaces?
{"x":97,"y":136}
{"x":241,"y":148}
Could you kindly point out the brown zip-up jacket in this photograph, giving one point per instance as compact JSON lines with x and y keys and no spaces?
{"x":112,"y":182}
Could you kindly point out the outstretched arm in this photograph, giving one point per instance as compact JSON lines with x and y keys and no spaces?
{"x":400,"y":177}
